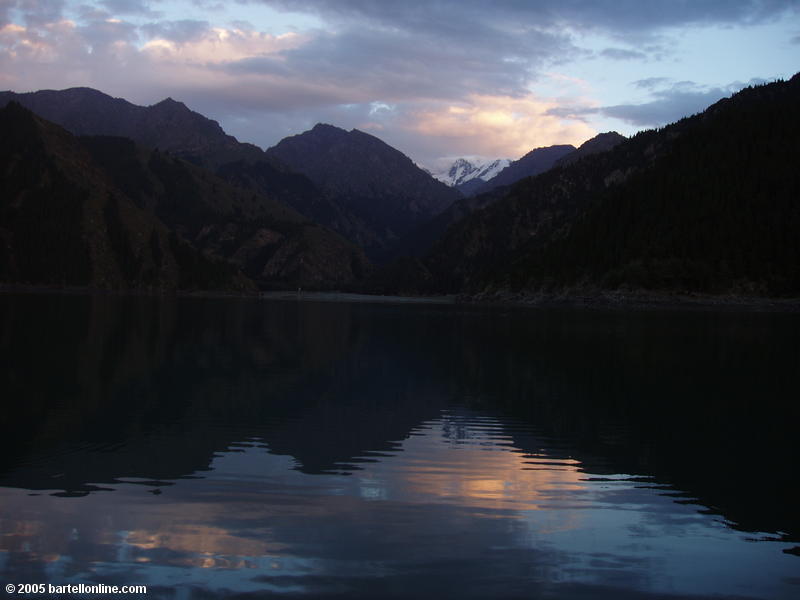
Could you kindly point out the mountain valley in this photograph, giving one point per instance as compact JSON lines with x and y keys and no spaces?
{"x":319,"y":208}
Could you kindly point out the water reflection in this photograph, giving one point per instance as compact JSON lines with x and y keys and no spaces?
{"x":229,"y":446}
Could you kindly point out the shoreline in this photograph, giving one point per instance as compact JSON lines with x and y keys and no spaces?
{"x":599,"y":300}
{"x":637,"y":301}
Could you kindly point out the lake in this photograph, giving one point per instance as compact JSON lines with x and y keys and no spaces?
{"x":212,"y":448}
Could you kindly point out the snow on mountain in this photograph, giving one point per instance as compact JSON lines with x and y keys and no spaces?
{"x":463,"y":170}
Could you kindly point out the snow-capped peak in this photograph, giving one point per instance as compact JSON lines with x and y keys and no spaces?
{"x":463,"y":170}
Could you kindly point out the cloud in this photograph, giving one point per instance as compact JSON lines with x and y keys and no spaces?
{"x":668,"y":107}
{"x":671,"y":102}
{"x":101,"y":34}
{"x":430,"y":77}
{"x":651,"y":82}
{"x":130,"y":7}
{"x":462,"y":18}
{"x":195,"y":44}
{"x":176,"y":31}
{"x":5,"y":13}
{"x":39,"y":12}
{"x":623,"y":54}
{"x":497,"y":126}
{"x":373,"y":66}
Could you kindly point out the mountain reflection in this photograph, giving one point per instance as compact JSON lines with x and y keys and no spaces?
{"x":251,"y":509}
{"x":232,"y":446}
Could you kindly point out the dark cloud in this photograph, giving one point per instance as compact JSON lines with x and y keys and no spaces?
{"x":89,"y":13}
{"x":651,"y":82}
{"x":623,"y":54}
{"x":209,"y":4}
{"x":427,"y":60}
{"x":180,"y":32}
{"x":448,"y":48}
{"x":377,"y":66}
{"x":36,"y":13}
{"x":130,"y":7}
{"x":99,"y":34}
{"x":5,"y":12}
{"x":669,"y":104}
{"x":454,"y":18}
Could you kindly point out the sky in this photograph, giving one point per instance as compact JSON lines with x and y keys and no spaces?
{"x":436,"y":79}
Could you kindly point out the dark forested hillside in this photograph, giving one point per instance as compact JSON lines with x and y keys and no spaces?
{"x":483,"y":193}
{"x":602,"y":142}
{"x":350,"y":182}
{"x":54,"y":179}
{"x":270,"y":242}
{"x":710,"y":204}
{"x":384,"y":193}
{"x":63,"y":223}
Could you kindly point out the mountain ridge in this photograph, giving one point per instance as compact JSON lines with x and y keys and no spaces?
{"x":704,"y":205}
{"x":382,"y":196}
{"x":204,"y":220}
{"x":463,"y":170}
{"x":168,"y":125}
{"x":62,"y":221}
{"x":386,"y":191}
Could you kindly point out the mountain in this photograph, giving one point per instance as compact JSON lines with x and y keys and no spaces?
{"x":463,"y":170}
{"x":169,"y":125}
{"x":382,"y":190}
{"x":420,"y":240}
{"x":271,"y":243}
{"x":479,"y":193}
{"x":534,"y":162}
{"x":63,"y":223}
{"x":602,"y":142}
{"x":709,"y":204}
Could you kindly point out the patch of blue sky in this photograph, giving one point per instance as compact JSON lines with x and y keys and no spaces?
{"x":687,"y":58}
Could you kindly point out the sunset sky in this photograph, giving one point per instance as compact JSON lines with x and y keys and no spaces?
{"x":437,"y":80}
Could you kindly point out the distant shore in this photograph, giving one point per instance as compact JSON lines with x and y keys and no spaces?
{"x":637,"y":300}
{"x":353,"y":297}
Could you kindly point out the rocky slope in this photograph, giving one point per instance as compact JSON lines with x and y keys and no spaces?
{"x":463,"y":171}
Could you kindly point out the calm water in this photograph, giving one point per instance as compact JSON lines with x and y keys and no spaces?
{"x":217,"y":448}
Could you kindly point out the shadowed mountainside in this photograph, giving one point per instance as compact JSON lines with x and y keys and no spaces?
{"x":378,"y":184}
{"x":602,"y":142}
{"x":350,"y":182}
{"x":62,"y":222}
{"x":534,"y":162}
{"x":417,"y":243}
{"x":169,"y":125}
{"x":143,"y":191}
{"x":706,"y":205}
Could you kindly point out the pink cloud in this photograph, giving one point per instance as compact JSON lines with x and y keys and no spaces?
{"x":499,"y":126}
